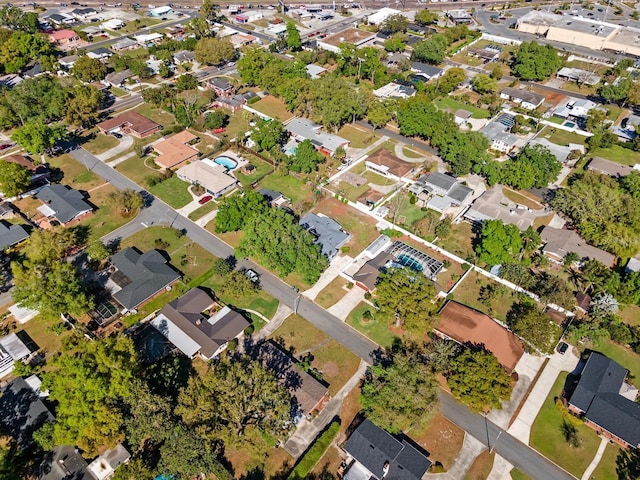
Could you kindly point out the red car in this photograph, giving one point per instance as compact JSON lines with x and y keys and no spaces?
{"x":205,"y":199}
{"x":4,"y":146}
{"x":218,"y":130}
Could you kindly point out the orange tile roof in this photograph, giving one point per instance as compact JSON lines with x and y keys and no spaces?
{"x":174,"y":150}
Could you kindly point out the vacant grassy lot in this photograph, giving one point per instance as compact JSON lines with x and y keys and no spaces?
{"x":619,"y":154}
{"x":358,"y":138}
{"x":273,"y":107}
{"x":468,"y":292}
{"x":561,"y":137}
{"x":101,"y":143}
{"x":378,"y":329}
{"x":260,"y":301}
{"x":547,"y":438}
{"x":333,"y":292}
{"x":410,"y":214}
{"x":158,"y":115}
{"x":335,"y":362}
{"x":290,"y":186}
{"x":173,"y":191}
{"x":203,"y":210}
{"x":459,"y":240}
{"x":75,"y":174}
{"x":448,"y":103}
{"x":351,"y":192}
{"x":136,"y":170}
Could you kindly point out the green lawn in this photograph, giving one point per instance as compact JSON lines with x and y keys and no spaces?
{"x":619,"y":154}
{"x":606,"y":469}
{"x":561,"y":137}
{"x":377,"y":329}
{"x":260,"y":301}
{"x":100,"y":144}
{"x":273,"y":107}
{"x":173,"y":191}
{"x":518,"y":475}
{"x":377,"y":179}
{"x":104,"y":219}
{"x":358,"y":137}
{"x":351,"y":192}
{"x":76,"y":175}
{"x":459,"y":240}
{"x":625,"y":357}
{"x":409,"y":152}
{"x":448,"y":103}
{"x":262,"y":168}
{"x":203,"y":210}
{"x":468,"y":292}
{"x":136,"y":169}
{"x":158,"y":115}
{"x":630,"y":314}
{"x":289,"y":185}
{"x":547,"y":438}
{"x":411,"y":214}
{"x":333,"y":292}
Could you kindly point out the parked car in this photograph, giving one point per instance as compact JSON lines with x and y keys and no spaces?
{"x":205,"y":199}
{"x":251,"y":275}
{"x":219,"y":130}
{"x":117,"y":135}
{"x":5,"y":146}
{"x":562,"y":348}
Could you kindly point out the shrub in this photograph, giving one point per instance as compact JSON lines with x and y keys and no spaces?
{"x":345,"y":249}
{"x":249,"y":330}
{"x":367,"y":296}
{"x":391,"y":233}
{"x":315,"y":452}
{"x":233,"y":344}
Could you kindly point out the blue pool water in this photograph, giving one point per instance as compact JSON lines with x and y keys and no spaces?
{"x":226,"y":162}
{"x":410,"y":262}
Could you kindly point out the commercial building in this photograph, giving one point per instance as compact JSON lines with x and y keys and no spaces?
{"x":353,"y":36}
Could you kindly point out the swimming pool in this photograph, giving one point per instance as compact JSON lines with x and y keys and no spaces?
{"x":226,"y":162}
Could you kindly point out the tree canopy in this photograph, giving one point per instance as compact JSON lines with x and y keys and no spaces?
{"x":532,"y":324}
{"x":498,"y":243}
{"x":14,"y":178}
{"x":36,"y":137}
{"x":536,"y":62}
{"x":293,"y":37}
{"x":432,"y":50}
{"x":235,"y":210}
{"x":533,"y":167}
{"x":306,"y":159}
{"x":268,"y":135}
{"x":89,"y":69}
{"x":213,"y":51}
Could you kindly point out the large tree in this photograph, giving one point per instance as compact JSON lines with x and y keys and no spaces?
{"x":498,"y":243}
{"x":234,"y":210}
{"x":126,"y":201}
{"x":83,"y":104}
{"x":268,"y":135}
{"x":478,"y":380}
{"x":408,"y":296}
{"x":399,"y":392}
{"x":483,"y":84}
{"x":89,"y":69}
{"x":533,"y":167}
{"x":14,"y":178}
{"x":293,"y":37}
{"x":432,"y":50}
{"x":535,"y":326}
{"x":426,"y":17}
{"x":36,"y":137}
{"x":214,"y":51}
{"x":306,"y":159}
{"x":536,"y":62}
{"x":395,"y":23}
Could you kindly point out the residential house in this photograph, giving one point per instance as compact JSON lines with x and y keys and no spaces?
{"x":315,"y":71}
{"x":466,"y":326}
{"x":100,"y":53}
{"x":64,"y":462}
{"x":147,"y":40}
{"x":113,"y":24}
{"x":83,"y":14}
{"x":124,"y":45}
{"x":117,"y":79}
{"x":374,"y":454}
{"x":12,"y":349}
{"x":561,"y":152}
{"x":63,"y":204}
{"x":10,"y":81}
{"x":607,"y":167}
{"x":176,"y":33}
{"x":139,"y":276}
{"x":39,"y":173}
{"x":221,"y":86}
{"x":176,"y":150}
{"x":197,"y":325}
{"x":33,"y":70}
{"x":575,"y":107}
{"x":583,"y":302}
{"x":395,"y":89}
{"x":58,"y":19}
{"x":493,"y":205}
{"x":583,"y":77}
{"x":607,"y":402}
{"x":490,"y":53}
{"x":22,"y":412}
{"x":633,"y":265}
{"x":103,"y":467}
{"x":302,"y":129}
{"x":242,"y":40}
{"x":328,"y":233}
{"x":559,"y":242}
{"x":525,"y":98}
{"x":308,"y":394}
{"x":183,"y":56}
{"x":131,"y":123}
{"x":68,"y":61}
{"x":273,"y":197}
{"x":11,"y":234}
{"x":499,"y":137}
{"x":63,"y":37}
{"x":439,"y":191}
{"x":425,"y":70}
{"x":354,"y":36}
{"x":460,"y":17}
{"x":214,"y":178}
{"x":387,"y":164}
{"x":93,"y":32}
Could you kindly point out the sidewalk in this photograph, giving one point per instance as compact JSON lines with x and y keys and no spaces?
{"x":596,"y":460}
{"x":272,"y":325}
{"x":202,"y":222}
{"x":328,"y":276}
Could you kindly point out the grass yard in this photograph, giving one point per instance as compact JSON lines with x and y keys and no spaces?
{"x":173,"y":191}
{"x":625,"y":357}
{"x":522,"y":198}
{"x":448,"y":103}
{"x":76,"y":175}
{"x":547,"y":438}
{"x":38,"y":329}
{"x":442,"y":439}
{"x":518,"y":475}
{"x":118,"y":92}
{"x":290,"y":186}
{"x":358,"y":138}
{"x":273,"y":107}
{"x":468,"y":292}
{"x":158,"y":115}
{"x":351,"y":192}
{"x":619,"y":154}
{"x":361,"y":226}
{"x":136,"y":170}
{"x":459,"y":240}
{"x":203,"y":210}
{"x":377,"y":179}
{"x":630,"y":314}
{"x":561,"y":137}
{"x":481,"y":466}
{"x":101,"y":143}
{"x":411,"y":214}
{"x":335,"y":362}
{"x":377,"y":329}
{"x":333,"y":292}
{"x":237,"y":123}
{"x":260,"y":301}
{"x":262,"y":169}
{"x":104,"y":219}
{"x":409,"y":152}
{"x":606,"y":469}
{"x":138,"y":24}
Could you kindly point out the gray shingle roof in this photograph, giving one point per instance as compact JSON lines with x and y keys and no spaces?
{"x":524,"y":95}
{"x":145,"y":275}
{"x":329,"y":234}
{"x":307,"y":129}
{"x":371,"y":446}
{"x":439,"y":180}
{"x":66,"y":202}
{"x":11,"y":234}
{"x":426,"y":70}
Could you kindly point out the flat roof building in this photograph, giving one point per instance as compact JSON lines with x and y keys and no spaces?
{"x":353,"y":36}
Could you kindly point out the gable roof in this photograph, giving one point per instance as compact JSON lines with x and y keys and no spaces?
{"x":523,"y":95}
{"x":598,"y":395}
{"x":607,"y":167}
{"x":11,"y":234}
{"x":372,"y":447}
{"x":559,"y":242}
{"x":116,"y":78}
{"x":270,"y":195}
{"x":388,"y":162}
{"x":306,"y":390}
{"x":64,"y":462}
{"x":175,"y":150}
{"x":368,"y":274}
{"x":329,"y":234}
{"x":210,"y":175}
{"x":426,"y":70}
{"x":313,"y":132}
{"x":465,"y":325}
{"x":65,"y":202}
{"x":142,"y":275}
{"x":22,"y":412}
{"x":440,"y":180}
{"x":133,"y":120}
{"x":185,"y":325}
{"x":63,"y":35}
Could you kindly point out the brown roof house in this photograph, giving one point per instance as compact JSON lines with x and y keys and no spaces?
{"x":307,"y":392}
{"x":388,"y":165}
{"x":470,"y":327}
{"x":130,"y":122}
{"x":558,"y":242}
{"x":139,"y":276}
{"x":176,"y":150}
{"x":192,"y":324}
